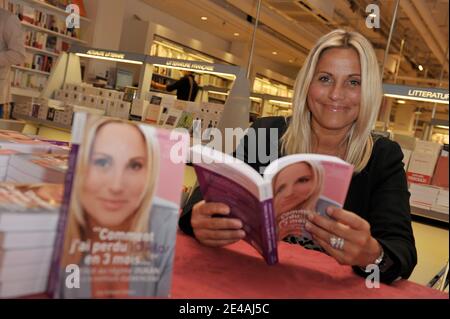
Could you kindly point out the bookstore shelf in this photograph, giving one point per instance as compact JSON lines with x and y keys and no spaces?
{"x":25,"y":92}
{"x":46,"y":123}
{"x":45,"y":52}
{"x":214,"y":89}
{"x":30,"y":70}
{"x":161,"y":91}
{"x":53,"y":8}
{"x":164,"y":76}
{"x":428,"y":213}
{"x":66,"y":37}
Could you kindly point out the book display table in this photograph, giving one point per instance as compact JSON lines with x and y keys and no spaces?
{"x":238,"y":271}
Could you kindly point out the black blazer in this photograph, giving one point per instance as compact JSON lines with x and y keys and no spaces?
{"x":379,"y":194}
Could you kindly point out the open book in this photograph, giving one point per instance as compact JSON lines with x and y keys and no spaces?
{"x":275,"y":205}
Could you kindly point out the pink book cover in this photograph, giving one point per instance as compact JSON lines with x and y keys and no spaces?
{"x":117,"y":230}
{"x":306,"y":183}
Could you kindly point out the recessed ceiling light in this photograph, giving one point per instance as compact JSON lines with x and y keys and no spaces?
{"x":291,"y":61}
{"x":204,"y":18}
{"x":236,"y":34}
{"x":420,"y":67}
{"x":274,"y":52}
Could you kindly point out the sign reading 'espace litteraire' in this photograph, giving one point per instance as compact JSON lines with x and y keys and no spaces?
{"x":106,"y":54}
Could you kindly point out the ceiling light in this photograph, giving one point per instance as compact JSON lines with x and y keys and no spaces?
{"x":420,"y":67}
{"x":204,"y":18}
{"x":401,"y":102}
{"x":291,"y":61}
{"x":274,"y":52}
{"x":236,"y":34}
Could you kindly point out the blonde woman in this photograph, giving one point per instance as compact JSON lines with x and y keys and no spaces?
{"x":116,"y":226}
{"x":336,"y":100}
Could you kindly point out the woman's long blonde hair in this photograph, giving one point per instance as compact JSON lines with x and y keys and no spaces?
{"x":298,"y":137}
{"x":76,"y":223}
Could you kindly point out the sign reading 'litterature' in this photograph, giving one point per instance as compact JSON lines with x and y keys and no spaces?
{"x":416,"y":93}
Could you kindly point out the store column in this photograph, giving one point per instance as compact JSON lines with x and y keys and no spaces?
{"x":242,"y":50}
{"x":105,"y":32}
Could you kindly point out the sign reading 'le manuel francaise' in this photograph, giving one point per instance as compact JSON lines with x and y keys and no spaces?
{"x":190,"y":65}
{"x":416,"y":93}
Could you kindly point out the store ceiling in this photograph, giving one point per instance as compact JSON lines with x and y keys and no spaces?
{"x":290,"y":28}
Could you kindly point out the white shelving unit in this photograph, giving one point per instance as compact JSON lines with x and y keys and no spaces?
{"x":428,"y":213}
{"x":30,"y":70}
{"x":21,"y":93}
{"x":44,"y":123}
{"x":30,"y":93}
{"x":65,"y":37}
{"x":48,"y":7}
{"x":40,"y":51}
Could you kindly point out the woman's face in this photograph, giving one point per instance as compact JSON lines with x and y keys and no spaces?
{"x":293,"y":185}
{"x":116,"y":174}
{"x":334,"y":95}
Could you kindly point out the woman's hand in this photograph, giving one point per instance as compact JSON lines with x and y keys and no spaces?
{"x":215,"y":231}
{"x":359,"y":249}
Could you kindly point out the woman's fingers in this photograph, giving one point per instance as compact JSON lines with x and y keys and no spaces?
{"x":348,"y":218}
{"x":203,"y":217}
{"x":212,"y":230}
{"x":336,"y":254}
{"x":341,"y":227}
{"x":210,"y":209}
{"x":358,"y":246}
{"x":329,"y":225}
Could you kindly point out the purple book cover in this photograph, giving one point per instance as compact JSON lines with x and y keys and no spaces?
{"x":256,"y":216}
{"x":59,"y":240}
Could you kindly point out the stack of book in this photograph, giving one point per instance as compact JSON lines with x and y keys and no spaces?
{"x":44,"y":41}
{"x":5,"y":155}
{"x":38,"y":62}
{"x":23,"y":143}
{"x":442,"y":201}
{"x":28,"y":220}
{"x":26,"y":80}
{"x":423,"y":196}
{"x":37,"y":168}
{"x":423,"y":162}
